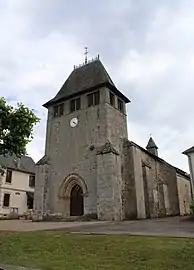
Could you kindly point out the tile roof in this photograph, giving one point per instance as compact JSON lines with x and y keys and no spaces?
{"x":85,"y":78}
{"x":44,"y":160}
{"x":25,"y":164}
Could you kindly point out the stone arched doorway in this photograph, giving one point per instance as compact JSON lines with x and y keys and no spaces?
{"x":76,"y":201}
{"x":72,"y":193}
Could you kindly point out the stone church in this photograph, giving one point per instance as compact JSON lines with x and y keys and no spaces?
{"x":90,"y":167}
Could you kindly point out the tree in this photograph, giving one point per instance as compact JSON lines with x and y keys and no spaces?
{"x":16,"y":126}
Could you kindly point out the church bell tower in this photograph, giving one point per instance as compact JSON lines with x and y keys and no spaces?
{"x":80,"y":173}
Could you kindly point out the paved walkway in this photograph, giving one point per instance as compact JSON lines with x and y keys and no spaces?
{"x":12,"y":267}
{"x":175,"y":226}
{"x":27,"y":225}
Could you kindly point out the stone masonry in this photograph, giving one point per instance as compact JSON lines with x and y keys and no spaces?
{"x":90,"y":167}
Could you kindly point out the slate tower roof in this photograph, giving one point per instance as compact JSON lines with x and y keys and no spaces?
{"x":84,"y":79}
{"x":188,"y":151}
{"x":151,"y":144}
{"x":152,"y":147}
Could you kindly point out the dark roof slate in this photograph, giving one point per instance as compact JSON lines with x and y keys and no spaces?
{"x":24,"y":164}
{"x":85,"y":78}
{"x":44,"y":160}
{"x":188,"y":151}
{"x":151,"y":144}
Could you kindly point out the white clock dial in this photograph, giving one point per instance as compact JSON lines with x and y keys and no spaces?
{"x":73,"y":122}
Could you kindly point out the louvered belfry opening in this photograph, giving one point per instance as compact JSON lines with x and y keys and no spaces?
{"x":76,"y":201}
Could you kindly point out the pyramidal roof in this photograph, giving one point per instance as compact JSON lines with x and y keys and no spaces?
{"x":151,"y":144}
{"x":85,"y":78}
{"x":188,"y":151}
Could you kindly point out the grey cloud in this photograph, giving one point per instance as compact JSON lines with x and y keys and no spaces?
{"x":112,"y":28}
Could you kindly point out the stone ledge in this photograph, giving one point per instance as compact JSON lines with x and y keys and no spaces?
{"x":106,"y":148}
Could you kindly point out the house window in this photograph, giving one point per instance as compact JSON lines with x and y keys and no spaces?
{"x":32,"y":181}
{"x":30,"y":200}
{"x":120,"y":105}
{"x":6,"y":200}
{"x":112,"y":99}
{"x":75,"y":104}
{"x":8,"y":176}
{"x":94,"y":99}
{"x":58,"y":110}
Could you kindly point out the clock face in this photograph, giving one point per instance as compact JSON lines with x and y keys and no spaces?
{"x":73,"y":122}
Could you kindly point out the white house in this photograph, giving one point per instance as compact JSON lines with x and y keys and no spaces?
{"x":16,"y":184}
{"x":190,"y":154}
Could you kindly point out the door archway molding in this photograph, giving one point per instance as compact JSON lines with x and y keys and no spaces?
{"x":68,"y":183}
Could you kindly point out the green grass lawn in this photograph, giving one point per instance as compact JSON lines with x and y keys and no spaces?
{"x":58,"y":250}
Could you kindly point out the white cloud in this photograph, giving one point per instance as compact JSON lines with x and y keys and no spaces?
{"x":161,"y":74}
{"x":33,"y":70}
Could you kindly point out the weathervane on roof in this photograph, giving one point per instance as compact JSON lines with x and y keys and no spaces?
{"x":86,"y":55}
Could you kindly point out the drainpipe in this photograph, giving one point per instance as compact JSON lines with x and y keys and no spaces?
{"x":192,"y":176}
{"x":2,"y":172}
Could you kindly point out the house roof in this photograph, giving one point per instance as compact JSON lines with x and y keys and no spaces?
{"x":151,"y":144}
{"x":85,"y":78}
{"x":188,"y":151}
{"x":44,"y":160}
{"x":24,"y":164}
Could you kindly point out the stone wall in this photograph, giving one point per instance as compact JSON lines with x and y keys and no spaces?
{"x":128,"y":176}
{"x":41,"y":194}
{"x":109,"y":187}
{"x":184,"y":194}
{"x":150,"y":184}
{"x":73,"y":150}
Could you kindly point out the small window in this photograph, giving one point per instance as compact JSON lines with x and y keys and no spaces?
{"x":55,"y":111}
{"x":112,"y":99}
{"x":32,"y":180}
{"x":61,"y":109}
{"x":75,"y":104}
{"x":90,"y":100}
{"x":8,"y":176}
{"x":94,"y":99}
{"x":120,"y":105}
{"x":6,"y":200}
{"x":58,"y":110}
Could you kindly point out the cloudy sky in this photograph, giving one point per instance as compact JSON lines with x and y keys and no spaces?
{"x":147,"y":46}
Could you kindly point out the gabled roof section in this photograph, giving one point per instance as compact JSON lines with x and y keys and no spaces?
{"x":44,"y":160}
{"x":130,"y":143}
{"x":88,"y":77}
{"x":151,"y":144}
{"x":188,"y":151}
{"x":24,"y":164}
